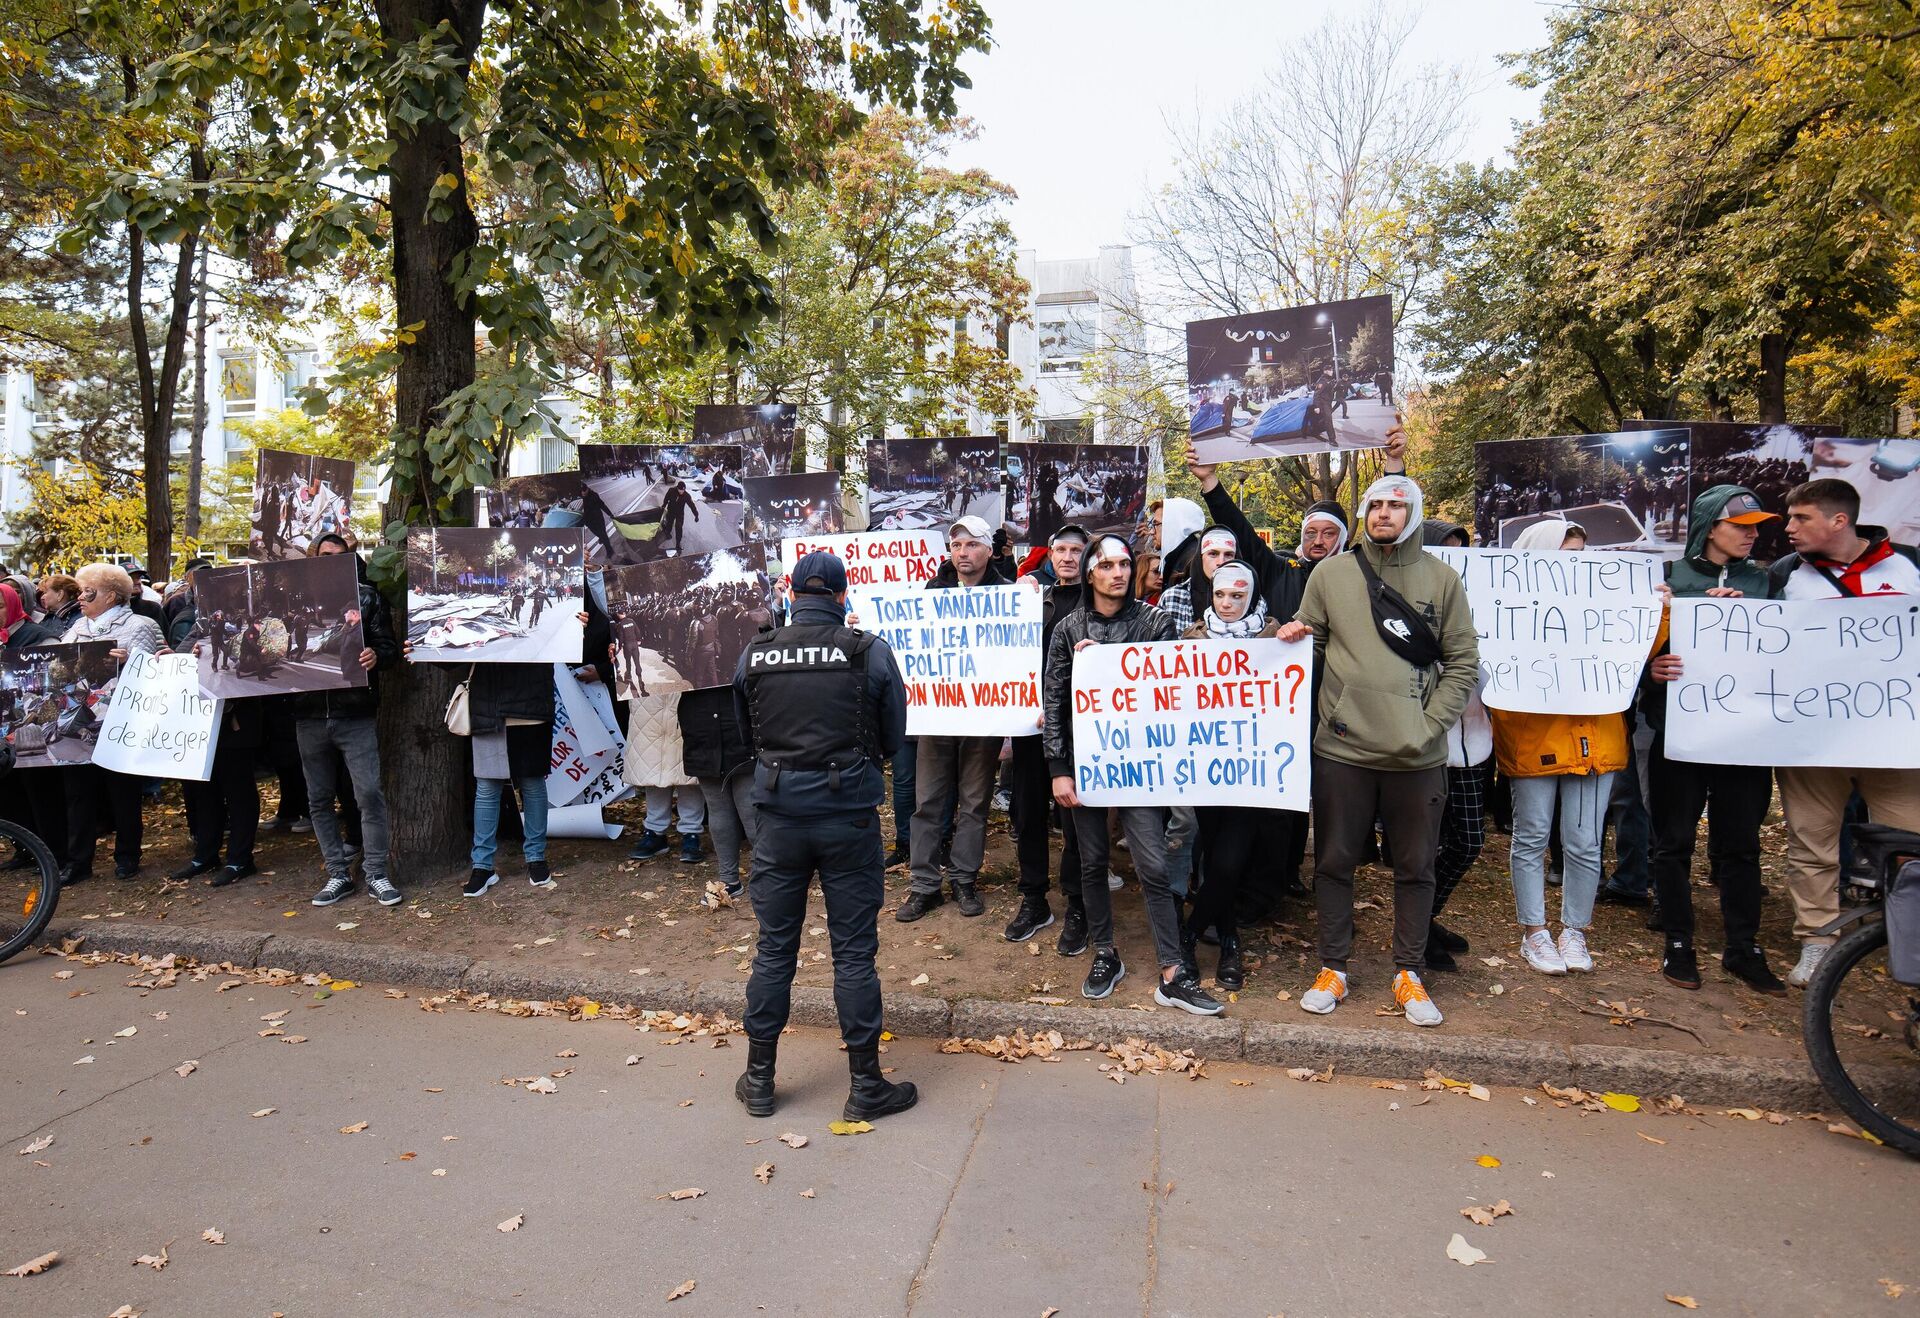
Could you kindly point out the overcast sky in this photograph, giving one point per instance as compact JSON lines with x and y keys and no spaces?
{"x":1072,"y":99}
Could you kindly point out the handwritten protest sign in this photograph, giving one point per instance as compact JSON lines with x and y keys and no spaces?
{"x":1834,"y":682}
{"x":1204,"y":722}
{"x":971,"y":658}
{"x":875,"y":558}
{"x":1560,"y":633}
{"x":583,"y":746}
{"x":160,"y":724}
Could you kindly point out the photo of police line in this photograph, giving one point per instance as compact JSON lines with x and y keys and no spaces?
{"x":767,"y":737}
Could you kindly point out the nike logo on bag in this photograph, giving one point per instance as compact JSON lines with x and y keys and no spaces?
{"x":1398,"y":628}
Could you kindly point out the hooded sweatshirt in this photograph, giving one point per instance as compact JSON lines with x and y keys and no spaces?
{"x":1376,"y":710}
{"x":1693,"y":574}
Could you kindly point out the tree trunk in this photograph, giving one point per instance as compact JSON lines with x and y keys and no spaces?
{"x":1770,"y":391}
{"x":426,"y":768}
{"x":196,"y":458}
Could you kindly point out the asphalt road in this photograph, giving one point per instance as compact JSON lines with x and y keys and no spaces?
{"x":1010,"y":1190}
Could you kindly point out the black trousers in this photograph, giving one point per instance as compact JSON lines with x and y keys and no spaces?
{"x":1030,"y":798}
{"x":846,"y":853}
{"x":47,"y":797}
{"x":1463,"y":829}
{"x":226,"y":805}
{"x":1229,"y":840}
{"x":1734,"y":798}
{"x":1347,"y":800}
{"x":84,"y":785}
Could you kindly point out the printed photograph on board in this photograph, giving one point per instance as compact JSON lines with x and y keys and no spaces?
{"x":1280,"y":384}
{"x":802,"y":504}
{"x":647,"y":501}
{"x":521,"y":503}
{"x":52,"y":699}
{"x":683,"y":623}
{"x":479,"y":595}
{"x":1628,"y":489}
{"x":263,"y":629}
{"x":916,"y":483}
{"x":764,"y":431}
{"x":1098,"y":486}
{"x":297,"y":498}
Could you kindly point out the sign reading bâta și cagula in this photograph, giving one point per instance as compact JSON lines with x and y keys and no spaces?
{"x":1201,"y":722}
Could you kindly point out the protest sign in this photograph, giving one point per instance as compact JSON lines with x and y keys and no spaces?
{"x":1203,"y":722}
{"x":495,"y":596}
{"x":51,"y":699}
{"x":297,"y":498}
{"x":1808,"y":682}
{"x":932,"y":483}
{"x":971,"y":658}
{"x":160,"y":724}
{"x":272,"y":628}
{"x":583,"y":745}
{"x":1560,"y":632}
{"x":682,"y":623}
{"x":875,"y":558}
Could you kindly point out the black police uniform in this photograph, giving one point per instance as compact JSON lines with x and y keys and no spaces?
{"x":823,"y":707}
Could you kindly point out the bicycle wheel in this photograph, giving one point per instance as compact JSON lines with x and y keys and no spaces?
{"x":32,"y":895}
{"x":1862,"y":1034}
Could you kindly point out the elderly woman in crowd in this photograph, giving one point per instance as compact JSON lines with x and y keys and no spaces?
{"x":59,"y":597}
{"x":105,"y":593}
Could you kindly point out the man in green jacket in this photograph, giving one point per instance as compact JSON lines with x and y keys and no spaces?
{"x":1381,"y":751}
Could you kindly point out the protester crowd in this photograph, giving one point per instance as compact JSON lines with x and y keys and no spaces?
{"x":1408,"y":764}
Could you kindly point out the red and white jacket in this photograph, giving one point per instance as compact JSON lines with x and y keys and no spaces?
{"x":1883,"y":568}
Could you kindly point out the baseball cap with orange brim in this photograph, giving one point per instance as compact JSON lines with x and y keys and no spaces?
{"x":1746,"y":510}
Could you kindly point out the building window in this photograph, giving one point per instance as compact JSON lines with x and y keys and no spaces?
{"x":239,"y":383}
{"x":1066,"y":336}
{"x":235,"y":440}
{"x":1067,"y":430}
{"x":302,"y":368}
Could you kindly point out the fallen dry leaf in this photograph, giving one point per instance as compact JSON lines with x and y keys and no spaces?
{"x":1684,"y":1301}
{"x":186,"y":1069}
{"x":849,"y":1127}
{"x":794,"y":1141}
{"x":35,"y":1266}
{"x":1894,"y":1289}
{"x":408,"y":1157}
{"x":633,"y":1059}
{"x":294,"y":1038}
{"x":345,"y":925}
{"x":566,"y":1052}
{"x":691,"y":1192}
{"x":1480,"y":1092}
{"x":807,"y":1193}
{"x":1648,"y":1138}
{"x":1462,"y":1253}
{"x":1050,"y":1311}
{"x":513,"y":1223}
{"x":1487,"y":1160}
{"x":1621,"y":1102}
{"x":155,"y":1261}
{"x":543,"y":1085}
{"x":683,"y":1290}
{"x":1484,"y":1216}
{"x":918,"y":980}
{"x":85,"y":1061}
{"x":63,"y":974}
{"x":764,"y":1173}
{"x":127,"y":1033}
{"x":214,"y":1236}
{"x":439,"y":1171}
{"x":354,"y":1129}
{"x":125,"y":1311}
{"x":264,"y":1112}
{"x":44,"y":1142}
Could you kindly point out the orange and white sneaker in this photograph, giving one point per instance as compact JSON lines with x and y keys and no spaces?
{"x":1411,"y":994}
{"x":1328,"y":991}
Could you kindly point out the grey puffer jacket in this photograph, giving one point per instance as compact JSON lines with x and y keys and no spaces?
{"x":1135,"y":622}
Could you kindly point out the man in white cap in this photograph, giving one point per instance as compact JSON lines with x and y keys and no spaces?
{"x":963,"y":767}
{"x":1397,"y":658}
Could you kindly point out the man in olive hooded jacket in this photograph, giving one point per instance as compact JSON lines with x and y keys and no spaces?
{"x":1381,"y":751}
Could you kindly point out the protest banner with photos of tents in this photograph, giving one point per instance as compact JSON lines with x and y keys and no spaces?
{"x":297,"y":498}
{"x":650,"y":501}
{"x":265,"y":629}
{"x":914,"y":483}
{"x":479,"y":595}
{"x":1286,"y":383}
{"x":798,"y":504}
{"x":54,"y":698}
{"x":1102,"y":487}
{"x":521,"y":503}
{"x":683,"y":623}
{"x":1627,"y":489}
{"x":764,"y":431}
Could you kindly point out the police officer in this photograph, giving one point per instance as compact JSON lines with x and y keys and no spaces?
{"x":823,"y":707}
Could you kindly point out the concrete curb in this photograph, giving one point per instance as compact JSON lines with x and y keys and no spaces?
{"x":1385,"y":1054}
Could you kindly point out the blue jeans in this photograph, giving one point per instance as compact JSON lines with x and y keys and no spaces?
{"x":486,"y":818}
{"x":1583,"y":802}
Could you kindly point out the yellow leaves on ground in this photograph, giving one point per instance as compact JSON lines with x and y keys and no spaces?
{"x":849,"y":1127}
{"x":1487,"y":1160}
{"x":1621,"y":1102}
{"x":1434,"y":1080}
{"x":354,"y":1129}
{"x":1137,"y":1057}
{"x":1684,"y":1301}
{"x":35,"y":1266}
{"x":1464,"y":1254}
{"x":1018,"y":1046}
{"x":214,"y":1236}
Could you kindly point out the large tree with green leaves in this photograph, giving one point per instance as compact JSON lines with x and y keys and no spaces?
{"x":640,"y":136}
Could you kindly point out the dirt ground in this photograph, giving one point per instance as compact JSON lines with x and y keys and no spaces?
{"x":647,"y":918}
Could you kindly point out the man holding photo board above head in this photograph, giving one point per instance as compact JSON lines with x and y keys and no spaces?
{"x":1395,"y":647}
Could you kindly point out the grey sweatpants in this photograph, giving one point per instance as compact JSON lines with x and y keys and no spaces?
{"x":729,"y":819}
{"x":1347,"y":800}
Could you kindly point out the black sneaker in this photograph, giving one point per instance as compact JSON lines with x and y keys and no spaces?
{"x":735,"y":888}
{"x":1613,"y":896}
{"x":1655,"y":922}
{"x":899,"y":855}
{"x":690,"y":852}
{"x":1030,"y":919}
{"x":382,"y":890}
{"x":539,"y":876}
{"x":1678,"y":965}
{"x":232,"y":874}
{"x":1184,"y":992}
{"x":1438,"y":958}
{"x":478,"y":882}
{"x":193,"y":869}
{"x":916,"y":905}
{"x":1106,"y":971}
{"x":338,"y":887}
{"x":125,"y":871}
{"x":650,"y":845}
{"x":1749,"y":966}
{"x":968,"y":900}
{"x":1438,"y":935}
{"x":1073,"y":931}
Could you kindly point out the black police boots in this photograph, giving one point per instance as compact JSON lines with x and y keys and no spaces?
{"x":755,"y":1085}
{"x":872,"y":1095}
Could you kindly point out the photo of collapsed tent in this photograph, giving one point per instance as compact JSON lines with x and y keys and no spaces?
{"x":297,"y":498}
{"x":918,"y":483}
{"x":478,"y":595}
{"x":1626,"y":489}
{"x":262,"y":629}
{"x":650,"y":501}
{"x":684,"y":623}
{"x":764,"y":431}
{"x":522,"y":503}
{"x":52,"y":698}
{"x":1098,"y":486}
{"x":1275,"y":384}
{"x":801,"y":504}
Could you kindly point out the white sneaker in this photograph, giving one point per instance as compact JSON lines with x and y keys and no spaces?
{"x":1573,"y":950}
{"x":1114,"y":882}
{"x":1329,"y":989}
{"x":1811,"y":955}
{"x":1411,"y":994}
{"x":1537,"y":947}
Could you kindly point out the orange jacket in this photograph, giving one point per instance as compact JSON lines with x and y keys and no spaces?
{"x":1541,"y":745}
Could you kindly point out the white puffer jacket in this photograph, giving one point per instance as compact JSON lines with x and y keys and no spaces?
{"x":654,"y":751}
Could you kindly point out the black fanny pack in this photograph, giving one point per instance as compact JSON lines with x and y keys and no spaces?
{"x":1400,"y":624}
